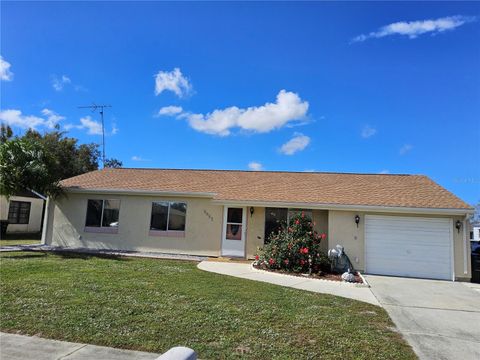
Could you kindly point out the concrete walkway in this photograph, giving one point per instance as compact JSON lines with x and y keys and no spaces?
{"x":20,"y":347}
{"x":439,"y":319}
{"x":245,"y":271}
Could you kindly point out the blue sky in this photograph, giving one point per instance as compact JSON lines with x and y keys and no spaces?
{"x":350,"y":87}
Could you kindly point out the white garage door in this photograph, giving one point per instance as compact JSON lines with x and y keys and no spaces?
{"x":409,"y":246}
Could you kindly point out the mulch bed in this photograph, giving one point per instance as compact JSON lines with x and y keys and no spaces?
{"x":321,"y":275}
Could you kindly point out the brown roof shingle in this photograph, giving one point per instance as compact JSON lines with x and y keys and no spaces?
{"x":416,"y":191}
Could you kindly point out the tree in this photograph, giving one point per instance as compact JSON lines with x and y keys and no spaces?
{"x":39,"y":162}
{"x":5,"y":133}
{"x":25,"y":165}
{"x":113,"y":163}
{"x":295,"y":248}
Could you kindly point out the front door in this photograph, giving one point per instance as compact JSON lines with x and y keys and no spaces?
{"x":233,"y":239}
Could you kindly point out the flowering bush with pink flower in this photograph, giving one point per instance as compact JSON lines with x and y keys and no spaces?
{"x":295,"y":248}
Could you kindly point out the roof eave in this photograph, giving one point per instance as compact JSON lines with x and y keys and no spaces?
{"x":346,"y":207}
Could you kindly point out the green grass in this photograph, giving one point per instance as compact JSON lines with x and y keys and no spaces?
{"x":152,"y":305}
{"x":20,"y":239}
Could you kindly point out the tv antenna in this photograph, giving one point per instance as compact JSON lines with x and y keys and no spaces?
{"x":94,"y":108}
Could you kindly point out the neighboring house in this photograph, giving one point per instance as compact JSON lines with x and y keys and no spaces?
{"x":404,"y":225}
{"x":23,"y":212}
{"x":475,"y":231}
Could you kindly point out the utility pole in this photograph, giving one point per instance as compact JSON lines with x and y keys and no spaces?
{"x":94,"y":107}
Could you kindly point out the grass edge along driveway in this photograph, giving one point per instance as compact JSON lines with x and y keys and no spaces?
{"x":152,"y":305}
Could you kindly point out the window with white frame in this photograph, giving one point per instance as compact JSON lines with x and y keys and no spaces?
{"x":102,"y":213}
{"x":168,"y":216}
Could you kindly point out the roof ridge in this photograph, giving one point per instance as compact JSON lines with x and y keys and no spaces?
{"x":262,"y":171}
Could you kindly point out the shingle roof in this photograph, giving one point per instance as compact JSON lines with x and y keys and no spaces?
{"x":415,"y":191}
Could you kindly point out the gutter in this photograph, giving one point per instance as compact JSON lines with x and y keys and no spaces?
{"x":139,"y":192}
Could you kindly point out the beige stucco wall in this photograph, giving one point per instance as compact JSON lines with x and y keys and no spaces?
{"x":203,"y":228}
{"x":35,"y":220}
{"x":344,"y":231}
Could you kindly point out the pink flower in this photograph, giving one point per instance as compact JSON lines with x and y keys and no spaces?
{"x":271,"y":261}
{"x":297,"y":221}
{"x":257,"y":257}
{"x":303,"y":214}
{"x":302,"y":262}
{"x":286,"y":261}
{"x":323,"y":236}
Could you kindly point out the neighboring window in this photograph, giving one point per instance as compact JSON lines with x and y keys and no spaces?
{"x":168,"y":216}
{"x":19,"y":212}
{"x":275,"y":218}
{"x":103,"y":213}
{"x":471,"y":235}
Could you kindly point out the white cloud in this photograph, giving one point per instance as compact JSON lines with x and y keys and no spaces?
{"x":295,"y":144}
{"x":405,"y":149}
{"x":16,"y":118}
{"x":368,"y":131}
{"x":412,"y":29}
{"x":93,"y":127}
{"x":172,"y":81}
{"x":5,"y":73}
{"x":255,"y":166}
{"x":288,"y":107}
{"x":58,"y":83}
{"x":52,"y":118}
{"x":170,"y":110}
{"x":384,"y":171}
{"x":138,"y":158}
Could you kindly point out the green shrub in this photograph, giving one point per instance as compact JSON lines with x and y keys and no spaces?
{"x":294,"y":248}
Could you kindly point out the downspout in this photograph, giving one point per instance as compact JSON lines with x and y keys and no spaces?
{"x":465,"y":250}
{"x":45,"y":221}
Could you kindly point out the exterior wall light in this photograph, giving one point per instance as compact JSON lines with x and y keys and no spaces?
{"x":357,"y":220}
{"x":458,"y":225}
{"x":252,"y":210}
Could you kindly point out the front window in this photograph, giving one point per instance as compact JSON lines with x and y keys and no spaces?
{"x":19,"y":212}
{"x":168,"y":216}
{"x":103,"y":213}
{"x":276,"y":218}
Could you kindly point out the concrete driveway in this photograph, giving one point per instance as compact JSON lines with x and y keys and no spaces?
{"x":439,"y":319}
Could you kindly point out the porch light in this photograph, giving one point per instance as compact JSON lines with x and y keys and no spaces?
{"x":357,"y":220}
{"x":458,"y":225}
{"x":252,"y":210}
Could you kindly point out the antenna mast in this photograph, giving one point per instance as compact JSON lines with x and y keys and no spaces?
{"x":94,"y":107}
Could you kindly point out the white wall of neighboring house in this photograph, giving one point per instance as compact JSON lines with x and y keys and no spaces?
{"x":35,"y":218}
{"x":475,"y":233}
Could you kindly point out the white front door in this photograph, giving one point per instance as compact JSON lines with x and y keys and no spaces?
{"x":233,"y":239}
{"x":409,"y":246}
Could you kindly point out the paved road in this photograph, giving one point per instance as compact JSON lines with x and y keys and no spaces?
{"x":439,"y":319}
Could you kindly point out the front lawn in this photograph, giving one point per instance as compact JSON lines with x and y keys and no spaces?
{"x":152,"y":305}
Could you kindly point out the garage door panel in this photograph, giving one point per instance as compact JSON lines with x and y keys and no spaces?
{"x":409,"y":246}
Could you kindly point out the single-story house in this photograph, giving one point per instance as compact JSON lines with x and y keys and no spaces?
{"x":23,"y":211}
{"x":405,"y":225}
